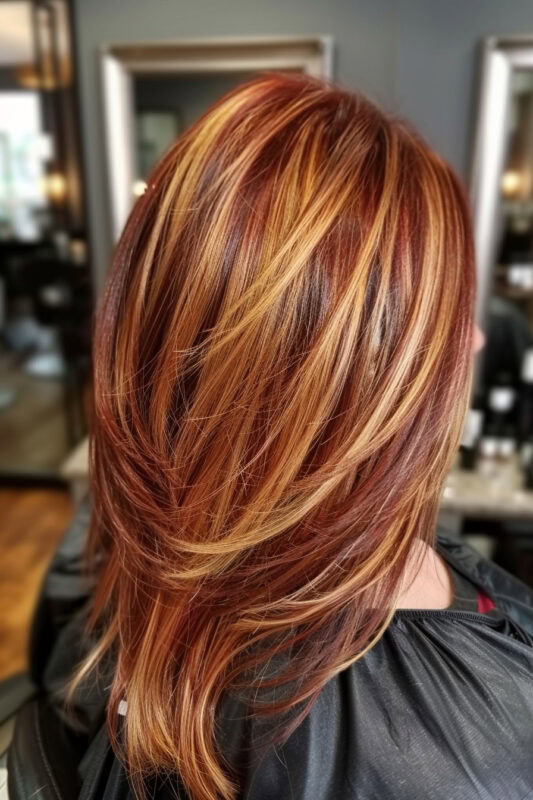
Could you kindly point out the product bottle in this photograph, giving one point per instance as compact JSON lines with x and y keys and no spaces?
{"x":501,"y":426}
{"x":516,"y":252}
{"x":526,"y":459}
{"x":472,"y":430}
{"x":525,"y":400}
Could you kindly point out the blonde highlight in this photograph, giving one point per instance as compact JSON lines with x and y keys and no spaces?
{"x":282,"y":369}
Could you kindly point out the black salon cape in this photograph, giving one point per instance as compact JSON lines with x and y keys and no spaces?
{"x":440,"y":708}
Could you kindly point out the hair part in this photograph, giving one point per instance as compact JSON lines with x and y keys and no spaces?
{"x":281,"y":372}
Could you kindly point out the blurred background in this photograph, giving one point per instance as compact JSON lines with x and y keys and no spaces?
{"x":92,"y":93}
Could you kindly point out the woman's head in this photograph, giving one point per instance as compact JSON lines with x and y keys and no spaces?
{"x":282,"y":367}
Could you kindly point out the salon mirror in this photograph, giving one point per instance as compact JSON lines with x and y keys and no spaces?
{"x":502,"y":195}
{"x":492,"y":489}
{"x":152,"y":92}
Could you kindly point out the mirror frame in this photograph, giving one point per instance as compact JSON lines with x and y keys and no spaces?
{"x":119,"y":63}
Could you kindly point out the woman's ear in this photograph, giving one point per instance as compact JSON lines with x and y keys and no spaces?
{"x":479,"y":339}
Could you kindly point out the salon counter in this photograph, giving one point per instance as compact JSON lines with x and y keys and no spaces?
{"x":492,"y":491}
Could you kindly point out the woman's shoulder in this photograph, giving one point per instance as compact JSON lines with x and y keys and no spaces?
{"x":509,"y":594}
{"x":440,"y":694}
{"x":439,"y":682}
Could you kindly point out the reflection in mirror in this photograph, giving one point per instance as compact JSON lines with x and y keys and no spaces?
{"x":166,"y":104}
{"x":508,"y":362}
{"x":514,"y":270}
{"x":490,"y":488}
{"x":45,"y":293}
{"x":24,"y":145}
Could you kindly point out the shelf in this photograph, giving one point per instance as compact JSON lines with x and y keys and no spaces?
{"x":515,"y":292}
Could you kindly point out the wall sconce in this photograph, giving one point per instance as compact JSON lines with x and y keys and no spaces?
{"x":511,"y":182}
{"x":54,"y":186}
{"x":139,"y":187}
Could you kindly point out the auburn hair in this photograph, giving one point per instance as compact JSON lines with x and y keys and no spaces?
{"x":282,"y":367}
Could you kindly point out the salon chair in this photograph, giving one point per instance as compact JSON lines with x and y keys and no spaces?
{"x":42,"y":753}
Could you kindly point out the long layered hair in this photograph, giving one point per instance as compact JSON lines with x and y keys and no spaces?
{"x":281,"y":372}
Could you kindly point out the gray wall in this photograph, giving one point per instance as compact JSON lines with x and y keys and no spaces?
{"x":416,"y":58}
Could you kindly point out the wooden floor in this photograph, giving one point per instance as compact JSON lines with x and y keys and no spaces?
{"x":32,"y":521}
{"x":33,"y":428}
